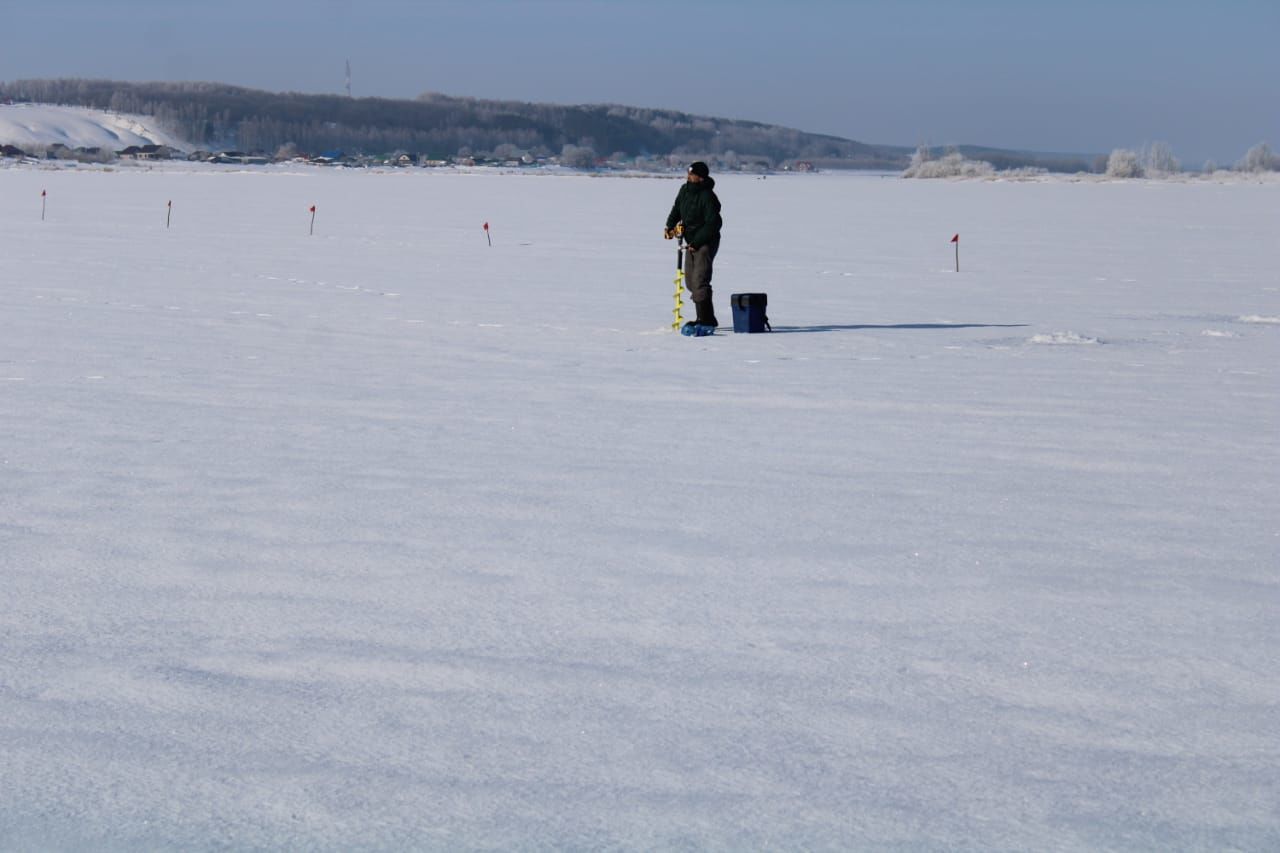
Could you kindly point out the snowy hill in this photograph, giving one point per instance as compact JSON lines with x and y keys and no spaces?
{"x":30,"y":126}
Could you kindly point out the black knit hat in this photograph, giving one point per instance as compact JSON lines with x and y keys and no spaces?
{"x":700,"y":169}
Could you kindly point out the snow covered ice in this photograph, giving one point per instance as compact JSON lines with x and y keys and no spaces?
{"x":387,"y":539}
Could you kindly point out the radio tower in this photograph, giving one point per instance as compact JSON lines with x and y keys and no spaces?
{"x":348,"y":78}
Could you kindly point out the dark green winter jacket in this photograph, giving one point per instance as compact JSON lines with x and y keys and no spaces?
{"x":699,"y":209}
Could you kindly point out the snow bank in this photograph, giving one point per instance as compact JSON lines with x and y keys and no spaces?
{"x":1062,"y":338}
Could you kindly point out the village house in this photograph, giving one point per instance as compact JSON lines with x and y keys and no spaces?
{"x":146,"y":152}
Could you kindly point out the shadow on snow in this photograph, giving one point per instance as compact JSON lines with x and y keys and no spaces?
{"x":777,"y":329}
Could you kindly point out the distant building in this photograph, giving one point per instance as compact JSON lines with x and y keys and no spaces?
{"x":146,"y":152}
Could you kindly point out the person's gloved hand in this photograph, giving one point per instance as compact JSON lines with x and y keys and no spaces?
{"x":668,"y":233}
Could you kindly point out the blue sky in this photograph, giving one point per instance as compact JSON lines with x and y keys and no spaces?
{"x":1085,"y":76}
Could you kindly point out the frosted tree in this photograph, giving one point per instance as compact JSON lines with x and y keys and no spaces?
{"x":1258,"y":159}
{"x":952,"y":165}
{"x":507,"y":151}
{"x":1158,"y":159}
{"x":577,"y":157}
{"x":1123,"y":163}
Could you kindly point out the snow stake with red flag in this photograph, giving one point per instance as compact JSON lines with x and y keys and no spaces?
{"x":313,"y":221}
{"x":486,"y":234}
{"x":956,"y":240}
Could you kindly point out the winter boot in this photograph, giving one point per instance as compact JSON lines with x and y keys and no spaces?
{"x":693,"y":329}
{"x":706,"y":313}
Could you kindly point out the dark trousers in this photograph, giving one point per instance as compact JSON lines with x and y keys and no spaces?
{"x":698,"y":265}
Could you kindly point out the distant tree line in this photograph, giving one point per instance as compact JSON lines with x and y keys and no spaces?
{"x":214,"y":115}
{"x":1156,"y":160}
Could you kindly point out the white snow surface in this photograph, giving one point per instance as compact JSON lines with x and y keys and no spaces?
{"x":384,"y":538}
{"x":38,"y":125}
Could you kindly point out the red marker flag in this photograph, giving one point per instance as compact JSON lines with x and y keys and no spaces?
{"x":312,"y":229}
{"x":955,"y":239}
{"x":486,"y":234}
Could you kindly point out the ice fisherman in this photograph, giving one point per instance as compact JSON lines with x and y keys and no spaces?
{"x":697,"y":211}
